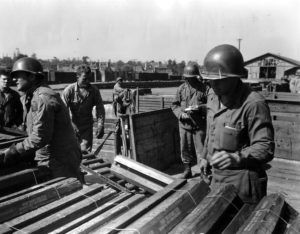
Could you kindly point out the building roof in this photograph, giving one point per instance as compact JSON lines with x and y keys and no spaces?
{"x":286,"y":59}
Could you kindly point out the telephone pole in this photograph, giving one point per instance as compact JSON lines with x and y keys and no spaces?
{"x":239,"y":41}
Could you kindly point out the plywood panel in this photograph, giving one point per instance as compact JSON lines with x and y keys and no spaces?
{"x":155,"y":138}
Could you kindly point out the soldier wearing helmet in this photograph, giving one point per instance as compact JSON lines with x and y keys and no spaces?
{"x":80,"y":97}
{"x":240,"y":134}
{"x":189,"y":108}
{"x":51,"y":137}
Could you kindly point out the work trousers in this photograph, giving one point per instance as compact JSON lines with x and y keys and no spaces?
{"x":191,"y":144}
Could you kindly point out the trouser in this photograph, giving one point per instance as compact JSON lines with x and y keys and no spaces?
{"x":251,"y":185}
{"x":86,"y":138}
{"x":191,"y":145}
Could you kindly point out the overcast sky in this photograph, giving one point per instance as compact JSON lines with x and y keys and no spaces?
{"x":148,"y":29}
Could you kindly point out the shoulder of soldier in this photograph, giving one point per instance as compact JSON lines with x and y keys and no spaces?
{"x":44,"y":93}
{"x":70,"y":88}
{"x":14,"y":93}
{"x":182,"y":86}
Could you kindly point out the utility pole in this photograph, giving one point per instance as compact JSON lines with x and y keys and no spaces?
{"x":239,"y":41}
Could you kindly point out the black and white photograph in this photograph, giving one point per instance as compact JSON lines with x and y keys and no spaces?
{"x":150,"y":116}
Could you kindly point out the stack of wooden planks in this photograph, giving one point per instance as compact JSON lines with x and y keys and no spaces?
{"x":152,"y":102}
{"x":157,"y":203}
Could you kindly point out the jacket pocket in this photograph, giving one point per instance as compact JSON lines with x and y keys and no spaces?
{"x":229,"y":138}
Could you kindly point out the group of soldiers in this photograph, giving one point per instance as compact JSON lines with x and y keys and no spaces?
{"x":225,"y":127}
{"x":59,"y":128}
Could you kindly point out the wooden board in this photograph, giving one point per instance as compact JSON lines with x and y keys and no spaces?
{"x":25,"y":203}
{"x":166,"y":215}
{"x":142,"y":208}
{"x":47,"y":210}
{"x":213,"y":214}
{"x":155,"y":138}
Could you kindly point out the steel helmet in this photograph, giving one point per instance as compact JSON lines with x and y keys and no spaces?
{"x":27,"y":64}
{"x":191,"y":70}
{"x":118,"y":79}
{"x":222,"y":62}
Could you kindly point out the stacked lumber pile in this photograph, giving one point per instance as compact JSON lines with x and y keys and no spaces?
{"x":158,"y":203}
{"x":152,"y":102}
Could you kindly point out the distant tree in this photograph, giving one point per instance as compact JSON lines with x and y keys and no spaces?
{"x":169,"y":65}
{"x":20,"y":56}
{"x":119,"y":65}
{"x":85,"y":59}
{"x":33,"y":56}
{"x":180,"y":67}
{"x":8,"y":61}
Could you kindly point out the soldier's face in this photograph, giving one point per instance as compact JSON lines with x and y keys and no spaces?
{"x":24,"y":81}
{"x":83,"y":80}
{"x":4,"y":81}
{"x":223,"y":87}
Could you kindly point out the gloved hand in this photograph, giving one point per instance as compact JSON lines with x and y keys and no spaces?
{"x":10,"y":155}
{"x":100,"y":131}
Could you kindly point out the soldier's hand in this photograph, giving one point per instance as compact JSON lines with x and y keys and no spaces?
{"x":203,"y":166}
{"x":184,"y":116}
{"x":222,"y":160}
{"x":100,"y":132}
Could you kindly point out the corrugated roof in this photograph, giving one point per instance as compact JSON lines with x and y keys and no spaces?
{"x":286,"y":59}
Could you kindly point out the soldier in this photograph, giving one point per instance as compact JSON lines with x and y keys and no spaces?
{"x":240,"y":134}
{"x":11,"y":110}
{"x":189,"y":108}
{"x":122,"y":98}
{"x":80,"y":97}
{"x":48,"y":125}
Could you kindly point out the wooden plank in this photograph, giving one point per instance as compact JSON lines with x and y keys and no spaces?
{"x":142,"y":208}
{"x":49,"y":209}
{"x":163,"y":217}
{"x":70,"y":213}
{"x":239,"y":219}
{"x":94,"y":160}
{"x":212,"y":214}
{"x":135,"y":179}
{"x":155,"y":175}
{"x":35,"y":199}
{"x":21,"y":179}
{"x":6,"y":144}
{"x":132,"y":138}
{"x":84,"y":219}
{"x":265,"y":216}
{"x":92,"y":225}
{"x":30,"y":189}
